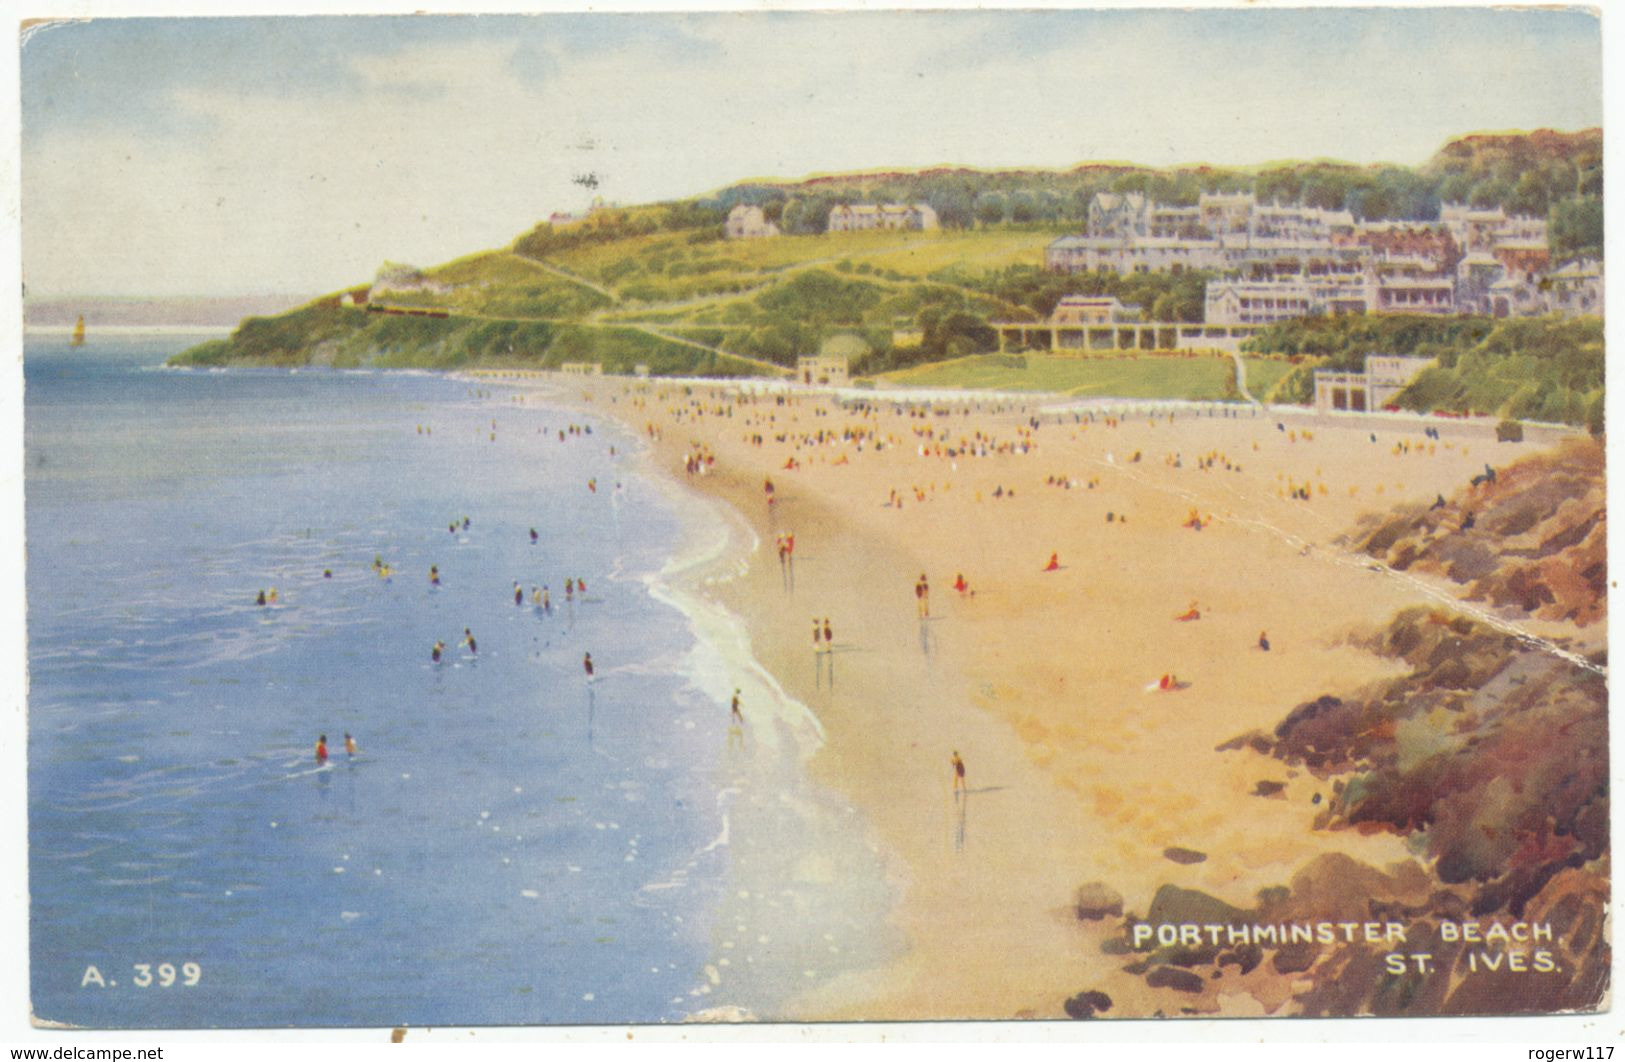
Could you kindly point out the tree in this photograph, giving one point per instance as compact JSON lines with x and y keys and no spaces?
{"x":990,"y":208}
{"x":1529,"y":195}
{"x":1576,"y":228}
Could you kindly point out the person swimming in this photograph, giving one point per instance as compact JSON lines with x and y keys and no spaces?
{"x":321,"y":750}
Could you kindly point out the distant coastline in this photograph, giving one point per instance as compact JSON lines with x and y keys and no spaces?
{"x":181,"y":313}
{"x":133,"y":330}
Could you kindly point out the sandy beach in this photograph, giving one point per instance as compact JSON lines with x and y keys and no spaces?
{"x":1079,"y":768}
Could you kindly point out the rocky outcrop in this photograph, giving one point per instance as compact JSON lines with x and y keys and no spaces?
{"x":1531,"y":538}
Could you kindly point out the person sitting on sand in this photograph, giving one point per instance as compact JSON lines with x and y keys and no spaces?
{"x":1168,"y":681}
{"x":1264,"y":641}
{"x":1191,"y":613}
{"x":1054,"y":564}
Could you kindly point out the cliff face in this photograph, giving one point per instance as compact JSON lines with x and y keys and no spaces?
{"x":1533,"y":538}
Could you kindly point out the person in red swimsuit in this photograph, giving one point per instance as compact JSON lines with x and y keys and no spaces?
{"x":321,"y":750}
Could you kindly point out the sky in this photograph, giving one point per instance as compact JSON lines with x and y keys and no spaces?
{"x":167,"y":156}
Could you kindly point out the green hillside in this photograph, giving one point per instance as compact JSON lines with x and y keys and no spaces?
{"x":659,"y":286}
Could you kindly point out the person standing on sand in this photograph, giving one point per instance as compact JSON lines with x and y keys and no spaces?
{"x":922,"y":591}
{"x":959,"y":774}
{"x":736,"y":724}
{"x":1264,"y":640}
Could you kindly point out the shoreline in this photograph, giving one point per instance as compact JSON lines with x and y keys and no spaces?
{"x":1066,"y":787}
{"x":806,"y":888}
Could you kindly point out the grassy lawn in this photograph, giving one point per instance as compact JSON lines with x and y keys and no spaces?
{"x":1118,"y":377}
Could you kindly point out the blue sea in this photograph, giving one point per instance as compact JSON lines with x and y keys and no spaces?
{"x":510,"y":842}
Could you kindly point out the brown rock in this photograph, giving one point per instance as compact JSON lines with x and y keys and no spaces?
{"x":1097,"y":900}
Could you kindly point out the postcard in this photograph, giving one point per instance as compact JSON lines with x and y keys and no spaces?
{"x":589,"y":519}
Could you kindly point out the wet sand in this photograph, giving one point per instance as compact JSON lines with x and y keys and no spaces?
{"x":1079,"y":768}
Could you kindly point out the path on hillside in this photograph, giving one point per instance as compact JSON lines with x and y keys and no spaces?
{"x":1241,"y":379}
{"x":770,"y":366}
{"x":574,"y":278}
{"x":647,"y":329}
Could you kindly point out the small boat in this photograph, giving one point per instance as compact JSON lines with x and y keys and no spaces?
{"x":78,"y":339}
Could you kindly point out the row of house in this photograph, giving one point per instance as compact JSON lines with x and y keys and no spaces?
{"x":1288,"y":261}
{"x":749,"y":222}
{"x":917,"y":217}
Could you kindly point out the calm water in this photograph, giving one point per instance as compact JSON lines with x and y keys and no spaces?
{"x":510,"y":843}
